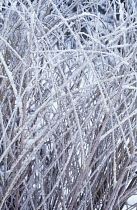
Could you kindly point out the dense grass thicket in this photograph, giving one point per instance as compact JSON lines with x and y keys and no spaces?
{"x":68,"y":104}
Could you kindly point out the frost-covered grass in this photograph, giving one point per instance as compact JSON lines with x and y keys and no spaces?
{"x":68,"y":104}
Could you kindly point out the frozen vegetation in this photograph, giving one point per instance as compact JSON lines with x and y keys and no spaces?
{"x":68,"y":104}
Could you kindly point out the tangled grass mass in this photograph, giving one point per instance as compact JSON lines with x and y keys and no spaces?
{"x":68,"y":105}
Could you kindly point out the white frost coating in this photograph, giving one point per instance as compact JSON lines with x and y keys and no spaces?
{"x":66,"y":63}
{"x":10,"y":76}
{"x":1,"y":76}
{"x":29,"y":142}
{"x":129,"y":87}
